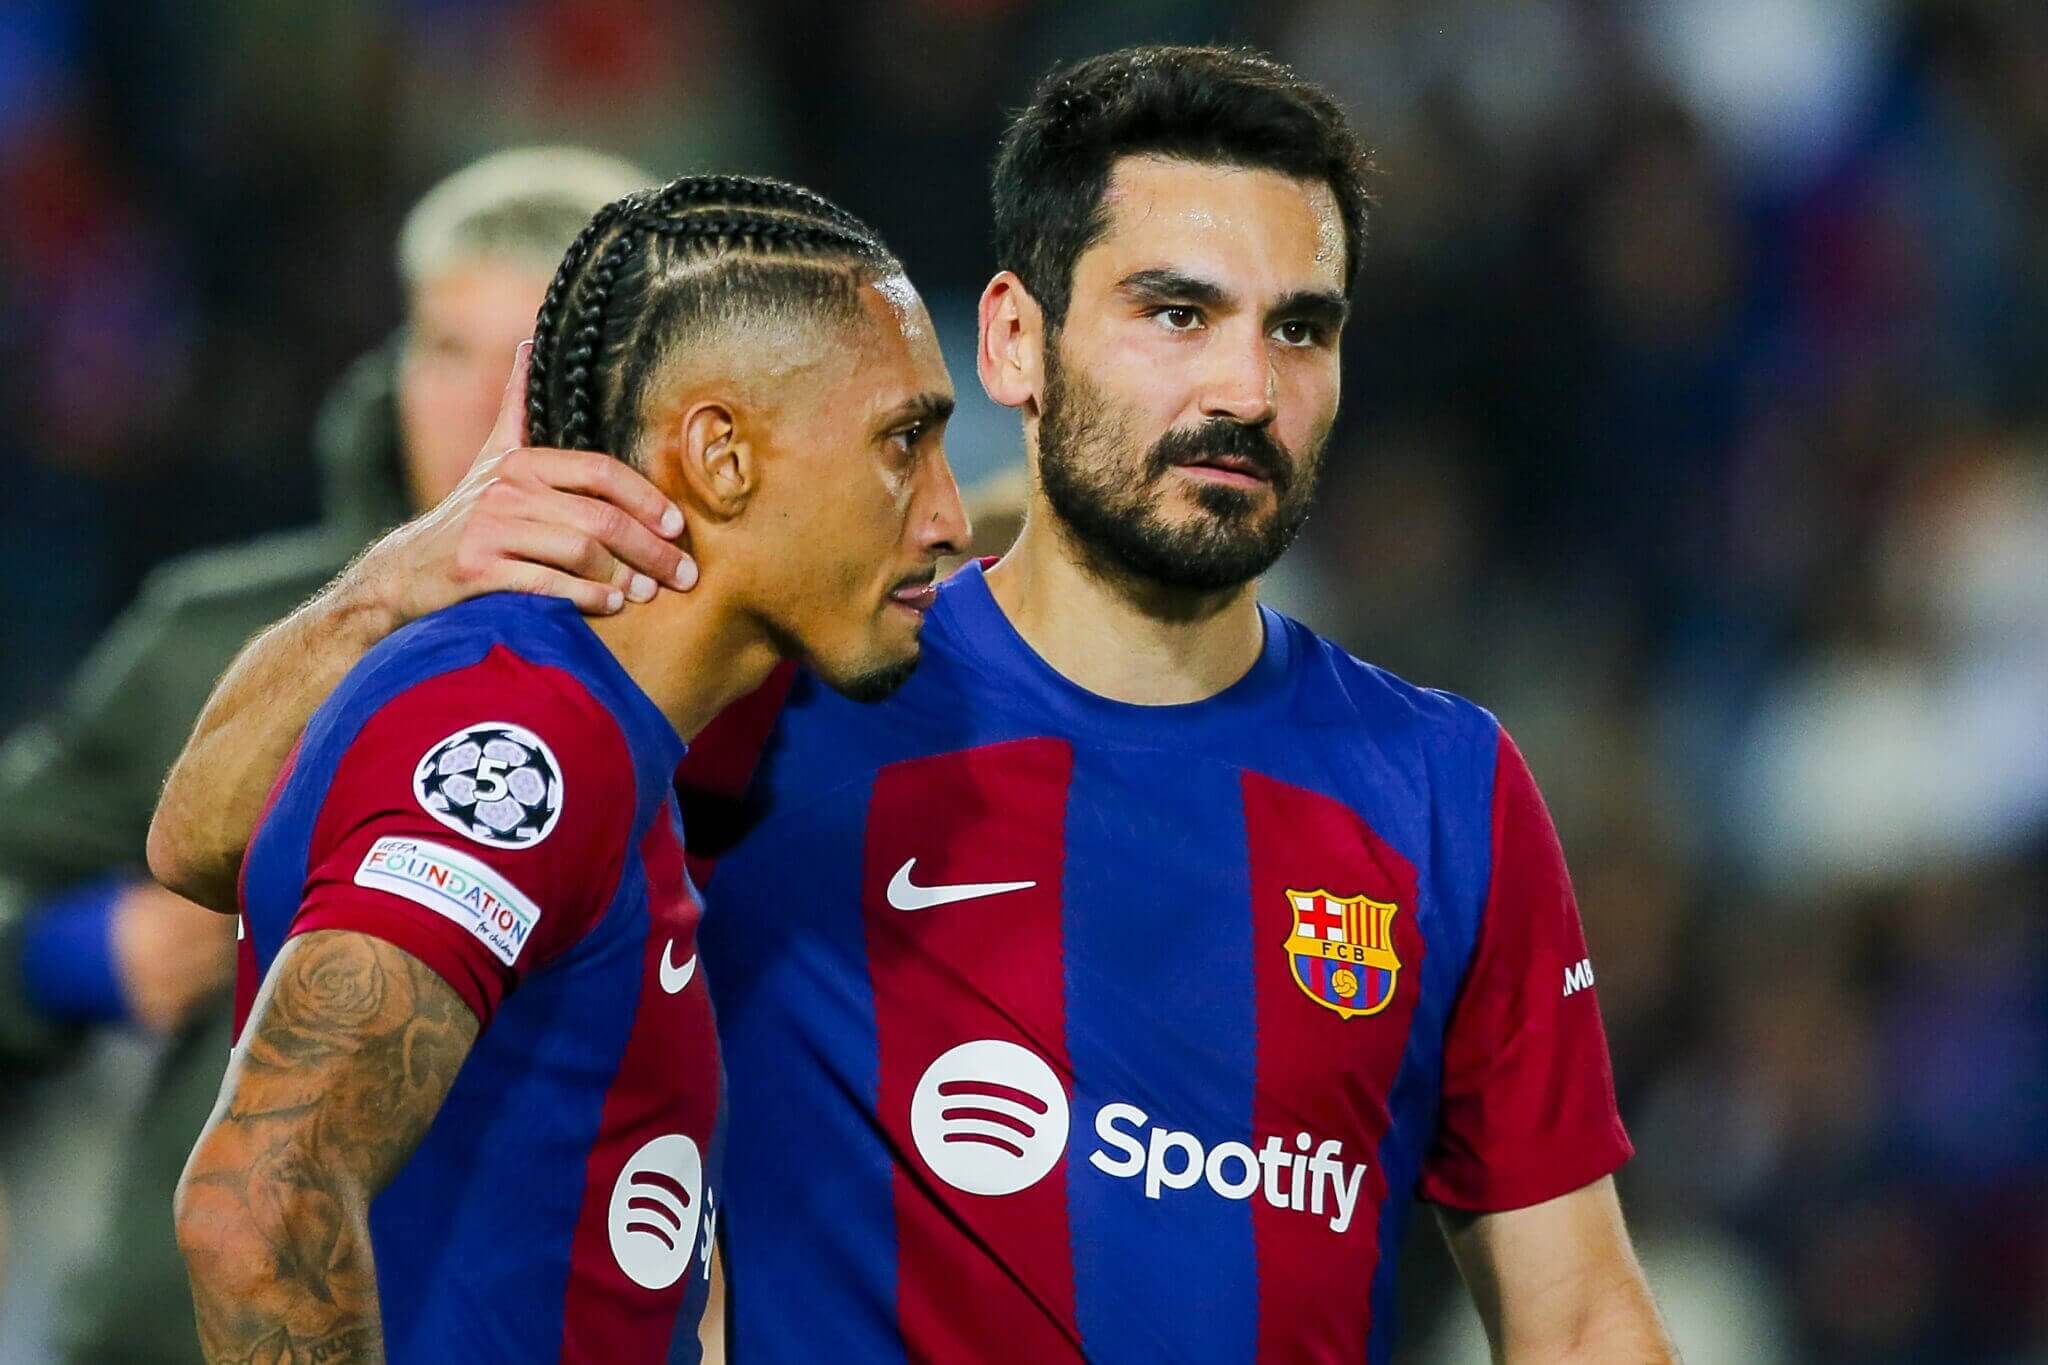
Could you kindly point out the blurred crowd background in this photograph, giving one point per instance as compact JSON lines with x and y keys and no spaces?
{"x":1696,"y":422}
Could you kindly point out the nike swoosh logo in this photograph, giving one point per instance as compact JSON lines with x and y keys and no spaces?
{"x":674,"y":978}
{"x":904,"y":894}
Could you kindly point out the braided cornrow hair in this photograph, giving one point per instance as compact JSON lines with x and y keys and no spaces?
{"x":548,"y":320}
{"x":699,"y":250}
{"x":693,"y":191}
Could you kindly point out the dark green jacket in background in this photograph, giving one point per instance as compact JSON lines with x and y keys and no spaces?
{"x":76,"y":793}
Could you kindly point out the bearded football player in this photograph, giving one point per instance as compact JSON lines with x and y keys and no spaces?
{"x":1115,"y":990}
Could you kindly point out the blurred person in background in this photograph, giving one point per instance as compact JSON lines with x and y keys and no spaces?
{"x":86,"y":940}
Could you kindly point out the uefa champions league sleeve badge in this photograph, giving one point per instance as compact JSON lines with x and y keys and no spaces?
{"x":494,"y":782}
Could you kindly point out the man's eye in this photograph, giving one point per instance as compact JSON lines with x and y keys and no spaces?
{"x":1296,"y":333}
{"x":1179,"y":318}
{"x":906,"y":440}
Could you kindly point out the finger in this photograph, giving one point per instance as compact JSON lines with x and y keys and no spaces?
{"x":560,"y":545}
{"x":509,"y":432}
{"x":627,"y":539}
{"x":575,"y":550}
{"x":592,"y":599}
{"x":519,"y":521}
{"x":597,"y":475}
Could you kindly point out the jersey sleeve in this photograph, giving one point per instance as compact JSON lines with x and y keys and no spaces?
{"x":1528,"y":1110}
{"x":479,"y":821}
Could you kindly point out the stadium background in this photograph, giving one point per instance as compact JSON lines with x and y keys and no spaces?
{"x":1694,"y":422}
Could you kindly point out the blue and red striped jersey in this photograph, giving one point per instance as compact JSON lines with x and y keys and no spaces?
{"x":1061,"y":1029}
{"x":489,"y":791}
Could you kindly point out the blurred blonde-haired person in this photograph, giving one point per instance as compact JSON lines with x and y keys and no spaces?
{"x":87,"y":941}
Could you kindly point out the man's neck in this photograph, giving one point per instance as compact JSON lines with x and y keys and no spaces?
{"x":1119,"y":637}
{"x":692,"y":655}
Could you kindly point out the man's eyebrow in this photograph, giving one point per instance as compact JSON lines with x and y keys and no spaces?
{"x":1174,"y":286}
{"x":1324,"y":307}
{"x":931,"y":406}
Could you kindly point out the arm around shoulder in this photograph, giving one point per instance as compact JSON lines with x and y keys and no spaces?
{"x":215,"y":791}
{"x":571,"y":524}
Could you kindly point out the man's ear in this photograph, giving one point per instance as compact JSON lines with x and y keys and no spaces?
{"x":1010,"y":357}
{"x":716,"y":468}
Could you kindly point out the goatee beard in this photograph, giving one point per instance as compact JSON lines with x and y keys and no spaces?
{"x":876,"y":684}
{"x":1115,"y":517}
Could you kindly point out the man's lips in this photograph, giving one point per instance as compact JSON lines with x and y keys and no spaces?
{"x":1234,"y":470}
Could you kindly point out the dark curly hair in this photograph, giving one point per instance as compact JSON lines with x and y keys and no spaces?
{"x":1229,"y":106}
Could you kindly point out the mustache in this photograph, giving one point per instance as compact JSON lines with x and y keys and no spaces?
{"x":1254,"y":445}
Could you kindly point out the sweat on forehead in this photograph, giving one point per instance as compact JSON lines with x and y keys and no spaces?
{"x":1204,"y":196}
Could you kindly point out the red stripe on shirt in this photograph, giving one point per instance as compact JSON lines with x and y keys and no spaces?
{"x":569,"y":875}
{"x":1528,"y":1095}
{"x":979,"y":1276}
{"x":667,"y":1083}
{"x":1320,"y":1073}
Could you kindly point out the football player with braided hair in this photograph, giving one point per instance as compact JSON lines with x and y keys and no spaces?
{"x":475,"y":1109}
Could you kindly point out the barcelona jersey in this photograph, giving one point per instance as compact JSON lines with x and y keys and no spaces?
{"x":1064,"y":1029}
{"x":489,"y":791}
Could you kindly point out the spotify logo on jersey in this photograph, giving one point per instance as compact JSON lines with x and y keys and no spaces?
{"x":655,"y":1208}
{"x":989,"y":1117}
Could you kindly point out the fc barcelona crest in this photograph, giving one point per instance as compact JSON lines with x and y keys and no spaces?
{"x":1342,"y":951}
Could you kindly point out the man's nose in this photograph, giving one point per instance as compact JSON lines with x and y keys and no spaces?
{"x":1240,"y":383}
{"x":940,"y":518}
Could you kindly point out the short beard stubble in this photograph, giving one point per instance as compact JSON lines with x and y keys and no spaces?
{"x":1112,"y":511}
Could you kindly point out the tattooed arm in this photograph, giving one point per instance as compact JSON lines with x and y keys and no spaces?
{"x":352,"y":1046}
{"x":566,"y":523}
